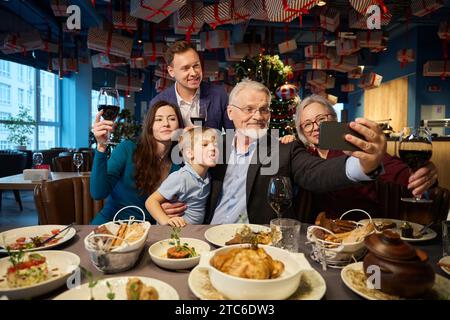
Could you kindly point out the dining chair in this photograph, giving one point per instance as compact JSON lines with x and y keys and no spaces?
{"x":65,"y":201}
{"x":12,"y":162}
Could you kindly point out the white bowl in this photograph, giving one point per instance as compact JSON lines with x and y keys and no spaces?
{"x":237,"y":288}
{"x":158,"y":253}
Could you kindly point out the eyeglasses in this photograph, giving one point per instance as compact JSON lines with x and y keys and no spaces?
{"x":251,"y":111}
{"x":308,"y":125}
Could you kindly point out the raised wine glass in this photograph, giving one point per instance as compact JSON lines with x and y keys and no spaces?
{"x":201,"y":119}
{"x":279,"y":194}
{"x":415,"y":149}
{"x":108,"y":101}
{"x":38,"y":159}
{"x":78,"y":160}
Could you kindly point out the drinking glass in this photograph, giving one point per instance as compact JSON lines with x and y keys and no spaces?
{"x":78,"y":160}
{"x":38,"y":159}
{"x":279,"y":194}
{"x":108,"y":101}
{"x":201,"y":119}
{"x":285,"y":233}
{"x":415,"y":149}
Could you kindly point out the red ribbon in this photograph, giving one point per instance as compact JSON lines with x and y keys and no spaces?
{"x":123,"y":23}
{"x":157,"y":11}
{"x":108,"y":42}
{"x":153,"y":56}
{"x":294,"y":12}
{"x":191,"y":28}
{"x":237,"y":15}
{"x":218,"y":21}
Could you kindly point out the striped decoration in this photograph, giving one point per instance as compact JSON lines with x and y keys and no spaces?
{"x":421,"y":8}
{"x":280,"y":10}
{"x":190,"y":18}
{"x":154,"y":10}
{"x":122,"y":20}
{"x":217,"y":14}
{"x":110,"y":43}
{"x":240,"y":11}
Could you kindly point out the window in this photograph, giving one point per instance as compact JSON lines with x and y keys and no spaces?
{"x":338,"y":107}
{"x":5,"y":94}
{"x":37,"y":91}
{"x":4,"y":68}
{"x":20,"y":97}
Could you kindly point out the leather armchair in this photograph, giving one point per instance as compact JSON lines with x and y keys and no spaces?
{"x":66,"y":201}
{"x":12,"y":162}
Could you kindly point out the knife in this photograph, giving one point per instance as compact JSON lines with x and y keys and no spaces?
{"x":54,"y":236}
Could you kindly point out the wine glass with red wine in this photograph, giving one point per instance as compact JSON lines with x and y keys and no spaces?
{"x":415,"y":149}
{"x":108,"y":102}
{"x":200,"y":120}
{"x":279,"y":194}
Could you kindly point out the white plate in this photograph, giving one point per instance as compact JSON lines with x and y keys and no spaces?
{"x":10,"y":236}
{"x":445,"y":259}
{"x":430,"y":234}
{"x":220,"y":234}
{"x":118,"y":286}
{"x":158,"y":253}
{"x":441,"y":285}
{"x":312,"y":286}
{"x":64,"y":261}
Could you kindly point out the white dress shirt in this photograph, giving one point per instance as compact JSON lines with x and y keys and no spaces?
{"x":188,"y":109}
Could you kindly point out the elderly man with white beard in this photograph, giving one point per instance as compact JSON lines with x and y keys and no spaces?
{"x":252,"y":156}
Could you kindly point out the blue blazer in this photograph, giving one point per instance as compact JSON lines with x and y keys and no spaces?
{"x":213,"y":98}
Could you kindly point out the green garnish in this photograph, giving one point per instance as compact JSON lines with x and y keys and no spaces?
{"x":175,"y":235}
{"x":110,"y":295}
{"x":134,"y":292}
{"x":15,"y":257}
{"x":92,"y":282}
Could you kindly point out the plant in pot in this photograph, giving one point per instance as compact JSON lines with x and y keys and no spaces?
{"x":20,"y":128}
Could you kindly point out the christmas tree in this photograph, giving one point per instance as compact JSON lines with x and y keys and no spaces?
{"x":271,"y":71}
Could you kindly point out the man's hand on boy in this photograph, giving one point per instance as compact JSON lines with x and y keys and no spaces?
{"x":175,"y":209}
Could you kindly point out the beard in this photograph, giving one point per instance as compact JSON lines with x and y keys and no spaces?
{"x":254,"y":134}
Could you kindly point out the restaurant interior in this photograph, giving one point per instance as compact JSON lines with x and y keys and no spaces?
{"x":387,"y":61}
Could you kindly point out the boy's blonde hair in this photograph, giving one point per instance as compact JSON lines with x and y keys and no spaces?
{"x":190,"y":137}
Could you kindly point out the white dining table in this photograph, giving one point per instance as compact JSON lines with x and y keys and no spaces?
{"x":17,"y":182}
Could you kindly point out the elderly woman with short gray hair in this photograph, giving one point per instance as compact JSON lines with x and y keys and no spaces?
{"x":314,"y":110}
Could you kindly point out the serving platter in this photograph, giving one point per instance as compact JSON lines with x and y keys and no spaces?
{"x":10,"y":236}
{"x":60,"y":265}
{"x":429,"y":234}
{"x":446,"y":260}
{"x":218,"y":235}
{"x":117,"y":285}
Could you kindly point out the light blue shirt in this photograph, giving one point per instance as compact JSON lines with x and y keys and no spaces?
{"x":187,"y":186}
{"x":232,"y":204}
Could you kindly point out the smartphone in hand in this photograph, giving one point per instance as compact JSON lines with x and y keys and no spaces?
{"x":332,"y":136}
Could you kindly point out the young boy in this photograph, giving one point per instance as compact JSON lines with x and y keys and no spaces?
{"x":190,"y":184}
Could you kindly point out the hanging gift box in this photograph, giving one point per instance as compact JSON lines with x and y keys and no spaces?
{"x":421,"y":8}
{"x":287,"y":46}
{"x":128,"y":84}
{"x":21,"y":42}
{"x":189,"y":19}
{"x":217,"y":14}
{"x":154,"y":49}
{"x":102,"y":60}
{"x":362,"y":5}
{"x":359,"y":21}
{"x":59,"y":7}
{"x":329,"y":19}
{"x":345,"y":63}
{"x":123,"y":21}
{"x":109,"y":43}
{"x":381,"y":48}
{"x":50,"y":47}
{"x":370,"y":80}
{"x":240,"y":11}
{"x":345,"y":47}
{"x":321,"y":64}
{"x":69,"y":64}
{"x":215,"y":39}
{"x":238,"y":51}
{"x":436,"y":68}
{"x":355,"y":73}
{"x":370,"y":39}
{"x":280,"y":10}
{"x":154,"y":10}
{"x":210,"y":68}
{"x":320,"y":79}
{"x":444,"y":30}
{"x":139,"y":62}
{"x":315,"y":51}
{"x":405,"y":56}
{"x":348,"y":87}
{"x":300,"y":66}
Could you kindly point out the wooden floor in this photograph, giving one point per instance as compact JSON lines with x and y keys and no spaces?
{"x":10,"y":214}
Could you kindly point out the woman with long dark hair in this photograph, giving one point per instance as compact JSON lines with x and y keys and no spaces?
{"x":133,"y":171}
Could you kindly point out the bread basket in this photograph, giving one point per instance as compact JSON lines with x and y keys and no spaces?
{"x":333,"y":254}
{"x":113,"y":259}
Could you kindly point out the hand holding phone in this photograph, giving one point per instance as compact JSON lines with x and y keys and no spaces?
{"x":332,"y":136}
